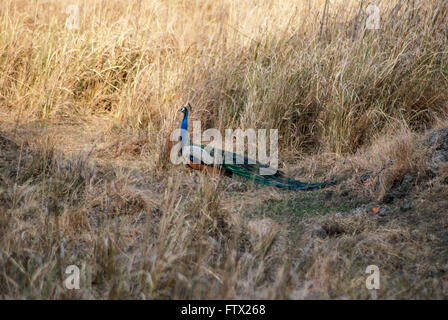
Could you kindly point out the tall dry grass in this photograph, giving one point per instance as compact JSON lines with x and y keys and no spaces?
{"x":307,"y":68}
{"x":312,"y":71}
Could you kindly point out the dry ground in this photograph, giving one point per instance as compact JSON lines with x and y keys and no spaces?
{"x":183,"y":234}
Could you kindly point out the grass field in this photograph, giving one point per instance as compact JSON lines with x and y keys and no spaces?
{"x":85,"y":174}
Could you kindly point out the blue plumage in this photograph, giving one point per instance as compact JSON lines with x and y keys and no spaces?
{"x":249,"y":168}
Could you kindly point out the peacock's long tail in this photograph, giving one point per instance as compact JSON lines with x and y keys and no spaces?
{"x":243,"y":166}
{"x":279,"y":179}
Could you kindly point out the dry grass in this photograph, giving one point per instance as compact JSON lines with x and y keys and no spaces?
{"x":133,"y":241}
{"x":265,"y":64}
{"x":85,"y":178}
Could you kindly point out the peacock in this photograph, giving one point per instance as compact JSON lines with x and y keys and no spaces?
{"x":201,"y":158}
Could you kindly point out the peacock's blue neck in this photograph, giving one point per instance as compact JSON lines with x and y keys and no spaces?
{"x":184,"y":130}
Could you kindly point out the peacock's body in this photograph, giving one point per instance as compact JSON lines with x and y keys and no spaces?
{"x":202,"y":158}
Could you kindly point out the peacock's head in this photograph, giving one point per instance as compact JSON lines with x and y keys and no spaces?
{"x":184,"y":109}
